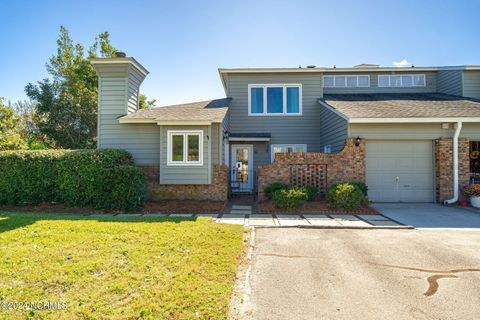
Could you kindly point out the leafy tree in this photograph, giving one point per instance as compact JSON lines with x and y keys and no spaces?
{"x":144,"y":103}
{"x":66,"y":109}
{"x":10,"y":122}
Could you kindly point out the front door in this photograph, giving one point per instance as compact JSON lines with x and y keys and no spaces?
{"x":241,"y":171}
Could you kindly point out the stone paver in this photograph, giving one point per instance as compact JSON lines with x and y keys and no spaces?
{"x":290,"y":220}
{"x":373,"y":217}
{"x":261,"y":222}
{"x":321,"y":220}
{"x":348,"y":217}
{"x":184,"y":215}
{"x":233,"y":219}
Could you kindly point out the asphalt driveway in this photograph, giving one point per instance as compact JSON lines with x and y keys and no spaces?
{"x":430,"y":215}
{"x":365,"y":274}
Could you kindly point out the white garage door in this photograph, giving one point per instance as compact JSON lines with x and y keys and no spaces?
{"x":400,"y":171}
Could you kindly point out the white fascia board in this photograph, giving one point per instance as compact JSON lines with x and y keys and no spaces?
{"x":127,"y":60}
{"x":183,"y":123}
{"x":338,"y":113}
{"x":136,"y":120}
{"x":413,"y":120}
{"x":248,"y":139}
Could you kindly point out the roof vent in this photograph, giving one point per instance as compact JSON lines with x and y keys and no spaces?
{"x":311,"y":66}
{"x":367,"y":65}
{"x":120,"y":54}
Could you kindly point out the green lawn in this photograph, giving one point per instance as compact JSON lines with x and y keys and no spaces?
{"x":118,"y":267}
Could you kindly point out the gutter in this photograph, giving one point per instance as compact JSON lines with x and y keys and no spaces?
{"x":455,"y":165}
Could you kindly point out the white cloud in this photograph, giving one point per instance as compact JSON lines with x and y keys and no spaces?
{"x":402,"y":63}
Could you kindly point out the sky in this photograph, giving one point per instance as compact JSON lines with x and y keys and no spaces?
{"x":183,"y":43}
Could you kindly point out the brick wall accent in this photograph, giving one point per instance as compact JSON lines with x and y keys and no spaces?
{"x":444,"y":166}
{"x":347,"y":165}
{"x":216,"y":191}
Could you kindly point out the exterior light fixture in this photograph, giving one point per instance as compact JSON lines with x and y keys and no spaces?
{"x":357,"y":141}
{"x":226,"y":135}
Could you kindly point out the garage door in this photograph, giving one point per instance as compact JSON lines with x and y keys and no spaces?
{"x":400,"y":171}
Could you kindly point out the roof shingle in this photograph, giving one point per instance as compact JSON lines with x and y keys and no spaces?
{"x":416,"y":105}
{"x":210,"y":110}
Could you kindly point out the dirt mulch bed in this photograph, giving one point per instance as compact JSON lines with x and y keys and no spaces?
{"x":312,"y":207}
{"x":167,"y":206}
{"x":184,"y":206}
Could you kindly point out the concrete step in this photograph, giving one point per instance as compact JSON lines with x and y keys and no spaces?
{"x":237,"y":211}
{"x":237,"y":206}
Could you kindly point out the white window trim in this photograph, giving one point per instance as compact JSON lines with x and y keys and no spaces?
{"x":185,"y":133}
{"x":285,"y":145}
{"x":276,"y":85}
{"x":346,"y":75}
{"x":401,"y":81}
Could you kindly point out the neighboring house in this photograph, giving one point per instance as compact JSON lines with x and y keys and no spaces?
{"x":407,"y":117}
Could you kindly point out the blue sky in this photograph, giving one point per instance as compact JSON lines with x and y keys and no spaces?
{"x":182,"y":43}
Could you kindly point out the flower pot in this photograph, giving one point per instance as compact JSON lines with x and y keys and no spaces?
{"x":475,"y":202}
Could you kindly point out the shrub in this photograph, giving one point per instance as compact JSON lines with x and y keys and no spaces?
{"x":345,"y":196}
{"x":29,"y":177}
{"x":103,"y":178}
{"x":289,"y":198}
{"x":362,"y":187}
{"x":272,"y":188}
{"x":472,"y":190}
{"x":124,"y":187}
{"x":311,"y":191}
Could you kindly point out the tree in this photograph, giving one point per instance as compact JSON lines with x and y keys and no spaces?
{"x":67,"y":104}
{"x":10,"y":137}
{"x":143,"y":103}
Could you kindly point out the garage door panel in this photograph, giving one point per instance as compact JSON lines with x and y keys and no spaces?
{"x":410,"y":161}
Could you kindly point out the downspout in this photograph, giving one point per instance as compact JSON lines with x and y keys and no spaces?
{"x":455,"y":165}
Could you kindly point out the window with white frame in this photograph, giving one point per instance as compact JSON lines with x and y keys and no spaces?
{"x":287,"y":148}
{"x":185,"y":148}
{"x":274,"y":99}
{"x":401,"y":80}
{"x":346,"y":81}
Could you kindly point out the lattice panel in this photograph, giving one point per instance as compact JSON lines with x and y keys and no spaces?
{"x":309,"y":174}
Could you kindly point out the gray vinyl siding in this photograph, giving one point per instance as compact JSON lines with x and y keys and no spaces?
{"x":226,"y":128}
{"x":430,"y":81}
{"x":134,"y":82}
{"x":450,"y":82}
{"x":141,"y":140}
{"x":471,"y":84}
{"x":395,"y":131}
{"x":184,"y":174}
{"x":283,"y":129}
{"x":470,"y":131}
{"x":333,"y":129}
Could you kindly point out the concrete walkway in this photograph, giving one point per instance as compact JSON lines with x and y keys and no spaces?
{"x":310,"y":220}
{"x":430,"y":215}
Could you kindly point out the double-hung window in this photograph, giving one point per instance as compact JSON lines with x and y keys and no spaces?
{"x":287,"y":148}
{"x":185,"y":148}
{"x":401,"y":80}
{"x":274,"y":99}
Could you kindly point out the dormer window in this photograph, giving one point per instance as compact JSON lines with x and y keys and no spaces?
{"x":274,"y":99}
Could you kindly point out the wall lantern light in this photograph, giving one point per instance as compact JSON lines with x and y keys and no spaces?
{"x":226,"y":135}
{"x":357,"y":141}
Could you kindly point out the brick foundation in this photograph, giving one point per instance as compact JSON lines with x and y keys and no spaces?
{"x":444,"y":167}
{"x":216,"y":191}
{"x":347,"y":165}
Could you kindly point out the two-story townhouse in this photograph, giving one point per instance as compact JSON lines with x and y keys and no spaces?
{"x":414,"y":121}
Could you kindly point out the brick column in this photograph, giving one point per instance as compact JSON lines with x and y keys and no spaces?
{"x":444,"y":167}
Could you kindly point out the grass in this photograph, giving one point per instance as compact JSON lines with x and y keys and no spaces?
{"x":118,"y":267}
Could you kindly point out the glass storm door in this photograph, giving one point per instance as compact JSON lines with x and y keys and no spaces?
{"x":241,"y":172}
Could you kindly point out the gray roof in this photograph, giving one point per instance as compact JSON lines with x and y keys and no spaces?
{"x":391,"y":105}
{"x":251,"y":135}
{"x":210,"y":110}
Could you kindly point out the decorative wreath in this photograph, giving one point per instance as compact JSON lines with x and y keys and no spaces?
{"x":474,"y":155}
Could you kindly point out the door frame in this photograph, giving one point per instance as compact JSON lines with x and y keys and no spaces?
{"x":233,"y":161}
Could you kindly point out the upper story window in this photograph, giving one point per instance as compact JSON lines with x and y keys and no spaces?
{"x":401,"y":80}
{"x":274,"y":99}
{"x":346,"y":81}
{"x":185,"y":148}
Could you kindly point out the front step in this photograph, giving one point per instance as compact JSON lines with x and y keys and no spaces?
{"x":239,"y":209}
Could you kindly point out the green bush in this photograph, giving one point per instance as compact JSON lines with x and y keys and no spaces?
{"x":345,"y":196}
{"x":291,"y":198}
{"x":76,"y":178}
{"x":312,"y":192}
{"x":362,"y":187}
{"x":273,"y":187}
{"x":124,"y":187}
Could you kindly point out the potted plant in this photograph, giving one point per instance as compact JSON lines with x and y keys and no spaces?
{"x":473,"y":191}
